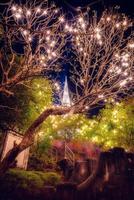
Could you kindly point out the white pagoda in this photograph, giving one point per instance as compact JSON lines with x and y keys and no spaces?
{"x":66,"y":101}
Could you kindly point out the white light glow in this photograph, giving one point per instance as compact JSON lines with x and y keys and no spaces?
{"x":14,"y":8}
{"x":28,"y":12}
{"x":18,"y":15}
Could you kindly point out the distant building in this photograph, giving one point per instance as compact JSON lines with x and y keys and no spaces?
{"x":66,"y":101}
{"x":10,"y":141}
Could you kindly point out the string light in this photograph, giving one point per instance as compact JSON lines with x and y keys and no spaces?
{"x":131,"y":45}
{"x":48,"y":51}
{"x":18,"y":15}
{"x":100,"y":96}
{"x":117,"y":25}
{"x":118,"y":71}
{"x":42,"y":57}
{"x":98,"y":36}
{"x":123,"y":83}
{"x":52,"y":44}
{"x":82,"y":81}
{"x":56,"y":11}
{"x":66,"y":26}
{"x":45,"y":12}
{"x":86,"y":107}
{"x":100,"y":42}
{"x":28,"y":12}
{"x":25,"y":32}
{"x":30,"y":38}
{"x":108,"y":19}
{"x":61,"y":19}
{"x":53,"y":54}
{"x":80,"y":19}
{"x":48,"y":32}
{"x":48,"y":38}
{"x":83,"y":25}
{"x":14,"y":8}
{"x":125,"y":64}
{"x":124,"y":23}
{"x":125,"y":73}
{"x":97,"y":30}
{"x":38,"y":10}
{"x":130,"y":78}
{"x":20,"y":10}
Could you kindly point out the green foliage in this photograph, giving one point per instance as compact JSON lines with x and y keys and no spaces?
{"x":20,"y":184}
{"x":114,"y":126}
{"x":28,"y":102}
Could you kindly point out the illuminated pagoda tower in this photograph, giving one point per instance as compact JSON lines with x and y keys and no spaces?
{"x":66,"y":101}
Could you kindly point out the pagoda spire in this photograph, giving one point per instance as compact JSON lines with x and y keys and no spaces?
{"x":66,"y":101}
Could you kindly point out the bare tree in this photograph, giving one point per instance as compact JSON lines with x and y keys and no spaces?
{"x":102,"y":69}
{"x":33,"y":42}
{"x":103,"y":49}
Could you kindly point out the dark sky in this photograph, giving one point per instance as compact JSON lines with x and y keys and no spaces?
{"x":126,"y":6}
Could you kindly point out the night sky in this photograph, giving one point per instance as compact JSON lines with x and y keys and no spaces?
{"x":126,"y":6}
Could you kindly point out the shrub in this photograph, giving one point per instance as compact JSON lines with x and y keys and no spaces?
{"x":20,"y":184}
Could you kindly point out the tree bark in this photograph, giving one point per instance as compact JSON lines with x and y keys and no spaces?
{"x":29,"y":136}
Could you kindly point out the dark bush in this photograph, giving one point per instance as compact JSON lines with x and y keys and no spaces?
{"x":20,"y":184}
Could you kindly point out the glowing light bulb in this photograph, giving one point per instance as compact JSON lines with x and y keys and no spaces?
{"x":80,"y":19}
{"x":20,"y":10}
{"x":18,"y":15}
{"x":42,"y":57}
{"x":118,"y":71}
{"x":52,"y":44}
{"x":47,"y":38}
{"x":81,"y":49}
{"x":28,"y":13}
{"x":75,"y":30}
{"x":125,"y":64}
{"x":100,"y":42}
{"x":130,"y":78}
{"x":86,"y":107}
{"x":48,"y":51}
{"x":123,"y":83}
{"x":98,"y":36}
{"x":30,"y":38}
{"x":97,"y":30}
{"x":131,"y":45}
{"x":53,"y":54}
{"x":82,"y":81}
{"x":100,"y":96}
{"x":117,"y":55}
{"x":117,"y":25}
{"x":66,"y":26}
{"x":83,"y":25}
{"x":70,"y":29}
{"x":49,"y":57}
{"x":108,"y":19}
{"x":25,"y":32}
{"x":45,"y":12}
{"x":14,"y":8}
{"x":61,"y":19}
{"x":38,"y":10}
{"x":124,"y":23}
{"x":125,"y":73}
{"x":56,"y":11}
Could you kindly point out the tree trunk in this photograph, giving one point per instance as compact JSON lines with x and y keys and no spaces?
{"x":29,"y":136}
